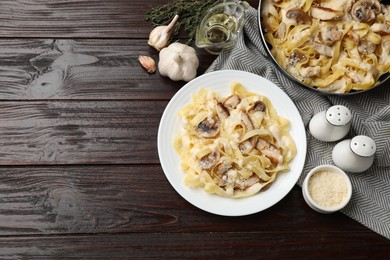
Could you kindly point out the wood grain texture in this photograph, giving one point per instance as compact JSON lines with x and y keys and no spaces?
{"x":128,"y":199}
{"x":250,"y":245}
{"x":77,"y":18}
{"x":32,"y":69}
{"x":79,"y":132}
{"x":79,"y":171}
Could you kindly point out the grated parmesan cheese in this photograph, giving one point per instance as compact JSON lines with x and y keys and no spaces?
{"x":327,"y":188}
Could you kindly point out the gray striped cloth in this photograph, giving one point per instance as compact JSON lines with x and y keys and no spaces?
{"x":370,"y":203}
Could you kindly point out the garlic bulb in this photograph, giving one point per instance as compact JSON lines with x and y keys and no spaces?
{"x":178,"y":62}
{"x":159,"y":37}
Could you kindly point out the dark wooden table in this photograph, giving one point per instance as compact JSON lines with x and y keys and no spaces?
{"x":79,"y":171}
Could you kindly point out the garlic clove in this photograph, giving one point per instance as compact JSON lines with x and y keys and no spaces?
{"x":148,"y":63}
{"x":160,"y":36}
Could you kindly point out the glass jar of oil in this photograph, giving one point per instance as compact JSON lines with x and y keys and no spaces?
{"x":220,"y":26}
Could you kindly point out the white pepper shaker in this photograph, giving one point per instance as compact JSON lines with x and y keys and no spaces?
{"x":354,"y":155}
{"x":331,"y":125}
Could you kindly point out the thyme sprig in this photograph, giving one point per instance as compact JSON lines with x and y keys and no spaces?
{"x":190,"y":14}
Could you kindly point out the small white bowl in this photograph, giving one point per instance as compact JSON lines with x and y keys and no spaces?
{"x":325,"y":189}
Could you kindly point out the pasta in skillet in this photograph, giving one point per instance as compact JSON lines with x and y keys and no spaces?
{"x":333,"y":45}
{"x":233,"y":146}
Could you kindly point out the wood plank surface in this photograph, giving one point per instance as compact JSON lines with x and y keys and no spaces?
{"x":79,"y":171}
{"x":32,"y":69}
{"x":251,"y":245}
{"x":58,"y":132}
{"x":127,"y":199}
{"x":77,"y":18}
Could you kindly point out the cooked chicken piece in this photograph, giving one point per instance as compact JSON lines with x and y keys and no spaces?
{"x":323,"y":49}
{"x":338,"y":86}
{"x":223,"y":181}
{"x":232,"y":101}
{"x":381,"y":28}
{"x":352,"y":75}
{"x":228,"y":178}
{"x":246,"y":147}
{"x":208,"y":128}
{"x":325,"y":14}
{"x":366,"y":47}
{"x":338,"y":5}
{"x":309,"y":72}
{"x":270,"y":151}
{"x":386,"y":12}
{"x":250,"y":182}
{"x":385,"y":46}
{"x":330,"y":35}
{"x":209,"y":160}
{"x":281,"y":31}
{"x":353,"y":36}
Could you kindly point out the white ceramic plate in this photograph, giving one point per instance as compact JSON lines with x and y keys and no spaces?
{"x":170,"y":126}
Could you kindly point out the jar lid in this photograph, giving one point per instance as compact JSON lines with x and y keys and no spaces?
{"x":363,"y":146}
{"x":338,"y":115}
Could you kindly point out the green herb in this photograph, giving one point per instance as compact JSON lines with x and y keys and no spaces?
{"x":190,"y":14}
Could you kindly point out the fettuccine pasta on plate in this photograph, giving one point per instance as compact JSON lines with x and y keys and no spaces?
{"x":233,"y":146}
{"x":334,"y":45}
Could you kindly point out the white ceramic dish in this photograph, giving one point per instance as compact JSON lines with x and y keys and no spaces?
{"x":170,"y":127}
{"x":309,"y":200}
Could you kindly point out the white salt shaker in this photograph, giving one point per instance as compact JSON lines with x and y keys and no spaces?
{"x":354,"y":155}
{"x":331,"y":125}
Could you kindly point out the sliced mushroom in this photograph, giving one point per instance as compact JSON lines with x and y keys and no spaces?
{"x":296,"y":57}
{"x":208,"y":128}
{"x":266,"y":187}
{"x":223,"y":167}
{"x":247,"y":121}
{"x":325,"y":14}
{"x":246,"y":147}
{"x":232,"y":101}
{"x":209,"y":160}
{"x":381,"y":28}
{"x":365,"y":10}
{"x":222,"y":111}
{"x":249,"y":125}
{"x":259,"y":106}
{"x":299,"y":16}
{"x":330,"y":35}
{"x":270,"y":151}
{"x":366,"y":47}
